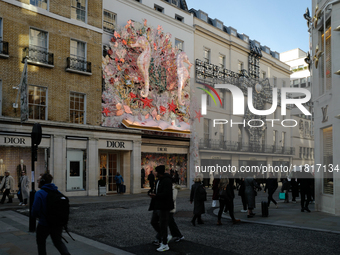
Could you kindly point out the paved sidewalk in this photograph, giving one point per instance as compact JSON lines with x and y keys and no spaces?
{"x":16,"y":240}
{"x":290,"y":215}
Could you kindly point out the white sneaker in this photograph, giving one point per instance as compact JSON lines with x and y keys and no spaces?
{"x":169,"y":238}
{"x":177,"y":239}
{"x":20,"y":203}
{"x":244,"y":210}
{"x":163,"y":247}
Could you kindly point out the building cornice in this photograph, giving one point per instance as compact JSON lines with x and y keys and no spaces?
{"x":52,"y":15}
{"x":234,"y":44}
{"x":161,"y":16}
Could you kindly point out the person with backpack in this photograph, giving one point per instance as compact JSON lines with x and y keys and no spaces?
{"x":52,"y":209}
{"x":119,"y":181}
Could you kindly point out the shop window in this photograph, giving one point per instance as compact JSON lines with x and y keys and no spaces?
{"x":78,"y":10}
{"x":109,"y":21}
{"x":37,"y":102}
{"x":77,"y":108}
{"x":39,"y":3}
{"x":327,"y":160}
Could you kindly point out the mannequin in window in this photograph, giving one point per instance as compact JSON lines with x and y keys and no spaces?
{"x":2,"y":167}
{"x":20,"y":168}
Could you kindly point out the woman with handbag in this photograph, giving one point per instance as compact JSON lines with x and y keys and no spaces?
{"x":7,"y":184}
{"x":198,"y":195}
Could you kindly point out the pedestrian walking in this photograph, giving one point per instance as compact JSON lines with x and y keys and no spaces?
{"x":23,"y":188}
{"x":285,"y":189}
{"x":305,"y":181}
{"x":174,"y":231}
{"x":198,"y":195}
{"x":142,"y":177}
{"x":119,"y":182}
{"x":226,"y":197}
{"x":294,"y":185}
{"x":250,"y":193}
{"x":161,"y":205}
{"x":271,"y":186}
{"x":151,"y":179}
{"x":7,"y":187}
{"x":40,"y":210}
{"x":242,"y":194}
{"x":215,"y":196}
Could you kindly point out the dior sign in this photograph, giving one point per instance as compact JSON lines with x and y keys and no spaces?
{"x":14,"y":140}
{"x":114,"y":144}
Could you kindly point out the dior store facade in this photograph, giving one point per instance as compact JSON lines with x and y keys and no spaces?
{"x":76,"y":156}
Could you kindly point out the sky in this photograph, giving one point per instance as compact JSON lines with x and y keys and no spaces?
{"x":274,"y":23}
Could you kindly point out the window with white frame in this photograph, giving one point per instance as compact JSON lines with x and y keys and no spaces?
{"x":204,"y":17}
{"x":222,"y":61}
{"x":283,"y":84}
{"x":307,"y":156}
{"x":240,"y":135}
{"x":206,"y":130}
{"x":39,"y":3}
{"x":179,"y":18}
{"x":206,"y":55}
{"x":37,"y":102}
{"x":179,"y":44}
{"x":240,"y":66}
{"x":221,"y":133}
{"x":264,"y":75}
{"x":221,"y":94}
{"x":78,"y":54}
{"x":158,"y":8}
{"x":77,"y":108}
{"x":219,"y":25}
{"x":78,"y":10}
{"x":38,"y":45}
{"x":283,"y":139}
{"x":109,"y":21}
{"x":296,"y":83}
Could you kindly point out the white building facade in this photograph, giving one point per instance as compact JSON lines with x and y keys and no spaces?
{"x":326,"y":63}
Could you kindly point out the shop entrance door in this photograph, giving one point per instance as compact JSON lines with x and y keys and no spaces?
{"x":108,"y":170}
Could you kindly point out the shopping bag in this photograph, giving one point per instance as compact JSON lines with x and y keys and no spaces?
{"x":282,"y":196}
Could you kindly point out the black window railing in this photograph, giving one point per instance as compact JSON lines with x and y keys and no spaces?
{"x":78,"y":64}
{"x":38,"y":55}
{"x":210,"y":144}
{"x":4,"y":48}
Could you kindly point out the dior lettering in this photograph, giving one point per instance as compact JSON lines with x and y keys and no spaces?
{"x":114,"y":144}
{"x":14,"y":140}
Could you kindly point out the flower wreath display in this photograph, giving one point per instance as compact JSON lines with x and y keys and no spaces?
{"x":146,"y":80}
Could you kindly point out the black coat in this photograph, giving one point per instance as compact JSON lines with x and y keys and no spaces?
{"x":198,"y":195}
{"x":163,"y":199}
{"x":271,"y":185}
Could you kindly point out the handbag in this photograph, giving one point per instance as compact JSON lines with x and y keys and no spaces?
{"x":282,"y":196}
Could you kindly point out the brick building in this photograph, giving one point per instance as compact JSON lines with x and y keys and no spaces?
{"x":63,"y":46}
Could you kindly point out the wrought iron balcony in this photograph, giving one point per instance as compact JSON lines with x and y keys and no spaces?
{"x":38,"y":56}
{"x":4,"y":49}
{"x":78,"y":65}
{"x":210,"y":144}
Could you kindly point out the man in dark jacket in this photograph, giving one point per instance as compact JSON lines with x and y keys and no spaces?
{"x":39,"y":210}
{"x":305,"y":181}
{"x":161,"y":204}
{"x":271,"y":185}
{"x":151,"y":179}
